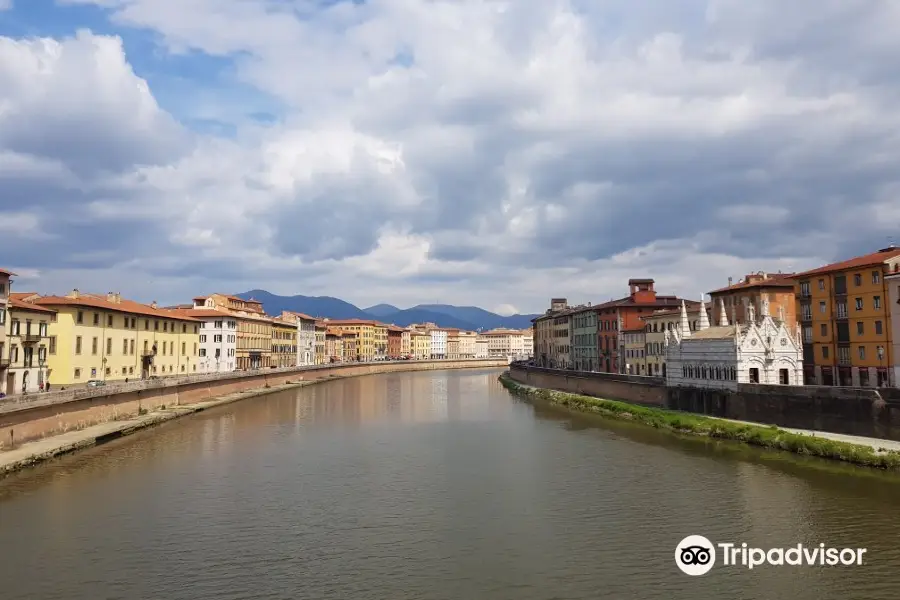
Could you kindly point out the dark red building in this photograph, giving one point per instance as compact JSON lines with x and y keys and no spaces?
{"x":395,"y":337}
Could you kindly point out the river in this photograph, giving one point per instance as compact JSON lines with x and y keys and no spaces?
{"x":429,"y":485}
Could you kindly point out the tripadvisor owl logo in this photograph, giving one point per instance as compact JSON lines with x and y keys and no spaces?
{"x":695,"y":555}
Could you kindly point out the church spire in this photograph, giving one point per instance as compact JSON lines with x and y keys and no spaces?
{"x":704,"y":318}
{"x":685,"y":326}
{"x":764,"y":306}
{"x":723,"y":318}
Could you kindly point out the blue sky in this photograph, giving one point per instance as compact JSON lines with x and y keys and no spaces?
{"x":489,"y":152}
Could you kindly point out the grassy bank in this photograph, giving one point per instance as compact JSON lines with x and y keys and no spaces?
{"x":691,"y":424}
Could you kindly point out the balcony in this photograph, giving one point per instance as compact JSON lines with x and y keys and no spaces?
{"x":31,"y":338}
{"x":4,"y":363}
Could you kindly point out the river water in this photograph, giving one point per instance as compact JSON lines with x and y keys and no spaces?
{"x":432,"y":485}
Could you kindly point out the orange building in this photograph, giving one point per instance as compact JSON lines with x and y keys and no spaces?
{"x":777,"y":288}
{"x":626,"y":313}
{"x":845,"y":320}
{"x":395,"y":337}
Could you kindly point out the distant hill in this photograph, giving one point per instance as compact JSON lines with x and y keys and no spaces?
{"x":380,"y":310}
{"x":445,"y":315}
{"x":474,"y":314}
{"x":314,"y":306}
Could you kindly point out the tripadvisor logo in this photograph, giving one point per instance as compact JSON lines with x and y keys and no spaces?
{"x":696,"y":555}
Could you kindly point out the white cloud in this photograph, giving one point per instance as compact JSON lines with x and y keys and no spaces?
{"x":526,"y":150}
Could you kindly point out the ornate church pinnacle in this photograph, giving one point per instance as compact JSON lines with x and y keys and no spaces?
{"x":723,"y":318}
{"x":685,"y":326}
{"x":704,"y":318}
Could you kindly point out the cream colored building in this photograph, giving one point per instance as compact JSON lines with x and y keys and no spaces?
{"x":528,"y":342}
{"x":321,"y":355}
{"x":254,"y":332}
{"x":28,"y":339}
{"x":655,"y":326}
{"x":467,"y":344}
{"x":406,"y":343}
{"x":453,"y":343}
{"x":552,"y":343}
{"x":481,"y":348}
{"x":633,"y":349}
{"x":505,"y":343}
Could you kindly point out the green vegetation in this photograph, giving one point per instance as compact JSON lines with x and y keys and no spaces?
{"x":691,"y":424}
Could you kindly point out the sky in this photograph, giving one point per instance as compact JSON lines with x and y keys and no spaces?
{"x":474,"y":152}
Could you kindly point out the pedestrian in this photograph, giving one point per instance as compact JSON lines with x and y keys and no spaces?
{"x":47,"y":386}
{"x":41,"y":386}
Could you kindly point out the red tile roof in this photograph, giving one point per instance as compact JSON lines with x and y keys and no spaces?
{"x":202,"y":313}
{"x":103,"y":303}
{"x":340,"y":322}
{"x":5,"y":272}
{"x":867,"y":260}
{"x":17,"y":301}
{"x":784,"y":280}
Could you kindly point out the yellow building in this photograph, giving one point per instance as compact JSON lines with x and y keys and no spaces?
{"x":420,"y":343}
{"x":109,"y":338}
{"x":845,"y":320}
{"x":28,"y":338}
{"x":254,"y":335}
{"x":633,"y":347}
{"x":380,"y":331}
{"x":349,"y":345}
{"x":284,"y":343}
{"x":366,"y":336}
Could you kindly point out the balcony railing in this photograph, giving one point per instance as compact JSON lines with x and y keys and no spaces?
{"x":31,"y":338}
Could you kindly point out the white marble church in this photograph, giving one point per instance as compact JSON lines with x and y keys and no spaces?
{"x":763,"y":350}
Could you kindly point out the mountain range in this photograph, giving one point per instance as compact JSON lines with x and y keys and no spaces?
{"x":469,"y":318}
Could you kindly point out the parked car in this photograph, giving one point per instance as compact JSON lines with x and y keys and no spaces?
{"x":96,"y":383}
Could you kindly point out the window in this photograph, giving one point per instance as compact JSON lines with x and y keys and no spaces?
{"x":2,"y":316}
{"x":218,"y":325}
{"x":94,"y":346}
{"x":821,"y":284}
{"x":195,"y":349}
{"x":857,"y":280}
{"x":14,"y":327}
{"x":877,"y":301}
{"x":52,"y":344}
{"x":202,"y":339}
{"x":78,"y":372}
{"x":822,"y":307}
{"x":195,"y":329}
{"x":109,"y":345}
{"x":805,"y":312}
{"x":807,"y":334}
{"x":79,"y":318}
{"x":823,"y":329}
{"x":124,"y":347}
{"x":183,"y":347}
{"x":42,"y":329}
{"x":78,"y":344}
{"x":202,"y":351}
{"x":164,"y":348}
{"x":155,"y":325}
{"x":862,"y":352}
{"x":878,"y":328}
{"x":109,"y":320}
{"x":131,"y":347}
{"x":876,"y":276}
{"x":130,"y":370}
{"x":96,"y":318}
{"x":147,"y":324}
{"x":754,"y":375}
{"x":859,"y":304}
{"x":843,"y":355}
{"x":842,"y":310}
{"x":145,"y":347}
{"x":165,"y":325}
{"x":133,"y":323}
{"x":825,"y":352}
{"x":804,"y":289}
{"x":860,"y":328}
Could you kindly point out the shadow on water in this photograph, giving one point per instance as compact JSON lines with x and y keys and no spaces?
{"x":824,"y":472}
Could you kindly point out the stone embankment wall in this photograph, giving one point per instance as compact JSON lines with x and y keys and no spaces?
{"x":33,"y":416}
{"x":856,"y":411}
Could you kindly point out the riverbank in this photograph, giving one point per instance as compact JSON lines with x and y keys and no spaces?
{"x":33,"y":453}
{"x":873,"y":453}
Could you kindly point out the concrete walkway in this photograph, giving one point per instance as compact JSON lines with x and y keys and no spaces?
{"x":875,"y":443}
{"x":38,"y":451}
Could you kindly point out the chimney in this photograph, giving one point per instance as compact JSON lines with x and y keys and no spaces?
{"x":110,"y":297}
{"x":153,"y":304}
{"x":729,"y":281}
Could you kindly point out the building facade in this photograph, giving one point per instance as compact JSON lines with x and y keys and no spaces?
{"x":893,"y":284}
{"x":655,"y":327}
{"x":5,"y":284}
{"x":584,"y":339}
{"x":438,"y":343}
{"x":320,"y":329}
{"x":634,"y":348}
{"x":420,"y":342}
{"x":284,"y":343}
{"x":395,"y":342}
{"x":453,"y":343}
{"x":548,"y":348}
{"x":845,"y":321}
{"x":467,"y":341}
{"x":366,"y":336}
{"x":217,"y":351}
{"x":481,"y":348}
{"x":28,"y":340}
{"x":306,"y":336}
{"x":626,"y":313}
{"x":406,"y":343}
{"x":254,"y":331}
{"x":762,"y":350}
{"x":776,"y":288}
{"x":334,"y":346}
{"x":109,"y":338}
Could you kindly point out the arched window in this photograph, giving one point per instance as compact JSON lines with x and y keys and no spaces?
{"x":690,"y":371}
